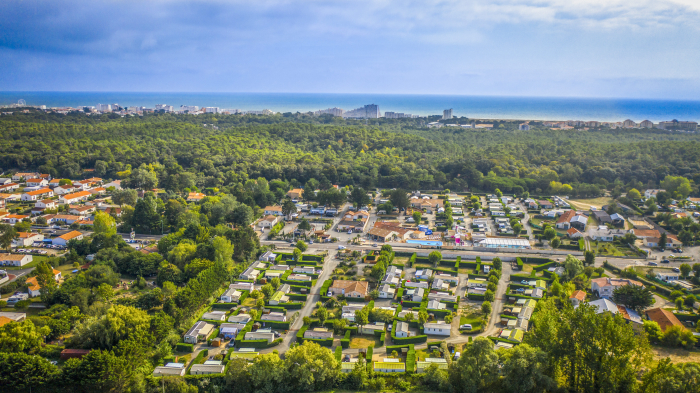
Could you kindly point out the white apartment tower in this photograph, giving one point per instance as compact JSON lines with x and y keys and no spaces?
{"x":447,"y":114}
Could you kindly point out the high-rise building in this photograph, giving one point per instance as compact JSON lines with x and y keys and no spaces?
{"x":678,"y":125}
{"x":190,"y":109}
{"x":646,"y":124}
{"x":330,"y":111}
{"x":629,"y":123}
{"x":447,"y":114}
{"x":370,"y":111}
{"x":104,"y":107}
{"x":164,"y":107}
{"x":211,"y":109}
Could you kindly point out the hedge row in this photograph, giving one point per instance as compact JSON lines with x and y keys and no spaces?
{"x":324,"y":289}
{"x":410,"y":304}
{"x":520,"y":263}
{"x":399,"y":341}
{"x":397,"y":348}
{"x":184,"y":347}
{"x":411,"y":360}
{"x":339,"y":354}
{"x":260,"y":344}
{"x":223,"y":305}
{"x":368,"y":357}
{"x":298,"y":296}
{"x":475,"y":296}
{"x":345,"y":341}
{"x":439,"y":313}
{"x":274,"y":324}
{"x":382,"y":337}
{"x":291,"y":306}
{"x":504,"y":316}
{"x":545,"y":266}
{"x":687,"y":317}
{"x":198,"y":359}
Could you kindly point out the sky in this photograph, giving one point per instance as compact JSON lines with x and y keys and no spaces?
{"x":568,"y":48}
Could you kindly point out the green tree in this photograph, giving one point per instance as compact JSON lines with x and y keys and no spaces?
{"x":417,"y":216}
{"x":435,"y":257}
{"x":297,"y":255}
{"x":517,"y":229}
{"x":486,"y":307}
{"x":525,"y":370}
{"x":477,"y":368}
{"x":237,"y":376}
{"x":634,"y":194}
{"x":267,"y":290}
{"x":7,"y":235}
{"x":550,"y":233}
{"x":497,"y":263}
{"x":304,"y":225}
{"x":125,"y":196}
{"x":267,"y":373}
{"x":635,"y":297}
{"x":117,"y":324}
{"x":663,"y":240}
{"x":322,"y":314}
{"x":20,"y":372}
{"x":555,"y":242}
{"x":45,"y":278}
{"x":361,"y":317}
{"x":422,"y":317}
{"x":599,"y":271}
{"x":678,"y":336}
{"x":685,"y":270}
{"x":288,"y":207}
{"x":489,"y":296}
{"x":104,"y":224}
{"x":301,"y":246}
{"x":399,"y":198}
{"x":22,"y":336}
{"x":359,"y":197}
{"x":589,"y":258}
{"x":573,"y":267}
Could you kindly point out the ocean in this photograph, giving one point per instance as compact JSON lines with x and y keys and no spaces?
{"x":486,"y":107}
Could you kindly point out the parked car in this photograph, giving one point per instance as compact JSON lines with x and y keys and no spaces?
{"x":677,"y":270}
{"x":653,"y":264}
{"x":341,"y":247}
{"x":346,"y":358}
{"x":329,"y":293}
{"x":466,"y":326}
{"x":525,"y":282}
{"x":665,"y":261}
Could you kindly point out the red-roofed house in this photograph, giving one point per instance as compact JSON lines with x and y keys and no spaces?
{"x":664,"y":318}
{"x":37,"y":194}
{"x":574,"y":233}
{"x":564,"y":220}
{"x":604,"y":286}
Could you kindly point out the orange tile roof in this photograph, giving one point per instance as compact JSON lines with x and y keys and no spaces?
{"x":664,"y":318}
{"x":580,"y":295}
{"x":33,"y":284}
{"x":77,"y":195}
{"x":4,"y":321}
{"x":566,"y":217}
{"x":70,"y":235}
{"x":351,"y":286}
{"x":40,"y":191}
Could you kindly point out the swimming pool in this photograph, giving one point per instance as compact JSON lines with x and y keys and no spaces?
{"x":425,"y":242}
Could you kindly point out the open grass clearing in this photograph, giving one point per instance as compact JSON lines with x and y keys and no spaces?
{"x":364,"y":342}
{"x":586,"y":204}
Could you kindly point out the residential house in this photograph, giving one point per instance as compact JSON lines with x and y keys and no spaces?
{"x":544,"y":204}
{"x":97,"y":191}
{"x":646,"y":233}
{"x":401,"y":329}
{"x":33,"y":287}
{"x":574,"y":233}
{"x":26,"y":239}
{"x":447,"y":278}
{"x":531,"y":204}
{"x":577,"y":297}
{"x":671,"y":241}
{"x":353,"y":221}
{"x":37,"y":194}
{"x":76,"y":197}
{"x":170,"y":370}
{"x":267,"y":256}
{"x":663,"y":317}
{"x":274,"y":316}
{"x":46,"y":204}
{"x":389,"y":366}
{"x":6,"y":317}
{"x":15,"y":218}
{"x":418,"y":294}
{"x":37,"y":182}
{"x":15,"y":259}
{"x":382,"y":234}
{"x":268,"y":221}
{"x":9,"y":187}
{"x":423,"y":274}
{"x":277,"y":298}
{"x":416,"y":284}
{"x":200,"y":330}
{"x":250,"y":274}
{"x":273,"y":211}
{"x":440,"y":328}
{"x":526,"y":312}
{"x":435,"y":304}
{"x":239,"y":319}
{"x":579,"y":222}
{"x":64,"y":190}
{"x":304,"y":269}
{"x":195,"y":196}
{"x":81,"y":210}
{"x":214,"y":315}
{"x":295,"y":193}
{"x":64,"y":239}
{"x":116,"y":184}
{"x":386,"y":292}
{"x":208,"y":367}
{"x":603,"y":287}
{"x":602,"y":216}
{"x":667,"y":276}
{"x":651,"y":193}
{"x":24,"y":175}
{"x":270,"y":337}
{"x":441,"y":363}
{"x":370,"y":328}
{"x":318,"y":334}
{"x":232,"y":295}
{"x":355,"y":289}
{"x":66,"y":218}
{"x":301,"y":277}
{"x":604,"y":234}
{"x":617,"y":219}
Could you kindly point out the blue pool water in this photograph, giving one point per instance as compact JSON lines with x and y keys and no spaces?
{"x":425,"y":242}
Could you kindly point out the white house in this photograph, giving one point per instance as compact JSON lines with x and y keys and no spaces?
{"x":169,"y":370}
{"x":439,"y":328}
{"x":75,"y":197}
{"x":201,"y":330}
{"x":64,"y":239}
{"x":418,"y":295}
{"x":667,"y":276}
{"x":270,"y":337}
{"x":15,"y":259}
{"x":46,"y":204}
{"x":605,"y":286}
{"x":215,"y":315}
{"x":268,"y":222}
{"x":36,"y":195}
{"x":386,"y":292}
{"x":26,"y":239}
{"x":401,"y":329}
{"x":273,"y":211}
{"x":209,"y":367}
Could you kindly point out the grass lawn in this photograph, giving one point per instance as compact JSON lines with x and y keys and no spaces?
{"x":249,"y":302}
{"x":473,"y":319}
{"x":610,"y":249}
{"x":364,"y":341}
{"x":587,"y":203}
{"x":400,"y":260}
{"x":677,"y":355}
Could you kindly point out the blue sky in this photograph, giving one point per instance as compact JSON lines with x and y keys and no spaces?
{"x":592,"y":48}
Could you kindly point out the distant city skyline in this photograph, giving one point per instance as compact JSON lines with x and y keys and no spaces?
{"x":522,"y":48}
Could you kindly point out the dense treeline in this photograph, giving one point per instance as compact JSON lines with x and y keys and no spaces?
{"x":180,"y":153}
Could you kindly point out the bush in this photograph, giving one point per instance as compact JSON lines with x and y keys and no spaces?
{"x":382,"y":338}
{"x":545,"y":266}
{"x":339,"y":354}
{"x":411,"y":360}
{"x":520,"y":263}
{"x":401,"y":341}
{"x":345,"y":341}
{"x":184,"y":347}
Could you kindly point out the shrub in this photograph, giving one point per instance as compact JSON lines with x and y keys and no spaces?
{"x":345,"y":341}
{"x":411,"y":360}
{"x":339,"y":354}
{"x":520,"y":263}
{"x":184,"y":347}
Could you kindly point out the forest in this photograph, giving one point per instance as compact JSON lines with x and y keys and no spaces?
{"x":177,"y":152}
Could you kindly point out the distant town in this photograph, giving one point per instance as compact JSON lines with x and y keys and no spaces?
{"x":369,"y":111}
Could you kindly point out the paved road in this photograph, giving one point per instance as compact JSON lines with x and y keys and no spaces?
{"x":18,"y":273}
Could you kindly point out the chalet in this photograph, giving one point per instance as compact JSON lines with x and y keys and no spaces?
{"x":37,"y":194}
{"x":274,"y":316}
{"x":386,"y":292}
{"x":355,"y":289}
{"x":200,"y":331}
{"x":15,"y":259}
{"x":170,"y":370}
{"x":418,"y":294}
{"x":318,"y":334}
{"x":389,"y":366}
{"x":80,"y":196}
{"x":208,"y":367}
{"x":439,"y":328}
{"x":273,"y":211}
{"x":295,"y":193}
{"x":64,"y":239}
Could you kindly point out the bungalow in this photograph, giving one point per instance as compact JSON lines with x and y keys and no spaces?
{"x":671,"y":241}
{"x":355,"y":289}
{"x":214,"y":315}
{"x":667,"y":276}
{"x":231,"y":296}
{"x":268,"y":221}
{"x":81,"y":210}
{"x":9,"y":187}
{"x":526,"y":312}
{"x":26,"y":239}
{"x":9,"y":197}
{"x":66,"y":218}
{"x":64,"y":239}
{"x":353,"y":221}
{"x":116,"y":184}
{"x":418,"y":295}
{"x":267,"y":256}
{"x":370,"y":328}
{"x":531,"y":204}
{"x":63,"y":190}
{"x":447,"y":278}
{"x":436,"y":305}
{"x":250,"y":274}
{"x":33,"y":287}
{"x":37,"y":182}
{"x":24,"y":175}
{"x":574,"y":233}
{"x":273,"y":211}
{"x":304,"y":270}
{"x":239,"y":319}
{"x":441,"y":296}
{"x":12,"y":317}
{"x":544,"y":204}
{"x":200,"y":330}
{"x":295,"y":193}
{"x":416,"y":284}
{"x":38,"y":194}
{"x":274,"y":316}
{"x":603,"y":234}
{"x":318,"y":334}
{"x":514,"y":334}
{"x":389,"y":366}
{"x":5,"y":180}
{"x":270,"y":274}
{"x":439,"y":328}
{"x":391,"y":279}
{"x":382,"y":234}
{"x":424,"y":274}
{"x":75,"y":197}
{"x":15,"y":218}
{"x":652,"y":193}
{"x":401,"y":329}
{"x":477,"y":282}
{"x":663,"y":317}
{"x":195,"y":196}
{"x":270,"y":337}
{"x":208,"y":367}
{"x":277,"y":298}
{"x":603,"y":287}
{"x":230,"y":330}
{"x":422,"y":366}
{"x":15,"y":259}
{"x":301,"y":277}
{"x":97,"y":191}
{"x":46,"y":204}
{"x":386,"y":292}
{"x":170,"y":370}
